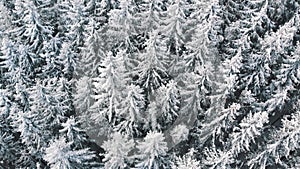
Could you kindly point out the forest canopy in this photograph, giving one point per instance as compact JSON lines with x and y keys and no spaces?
{"x":151,"y":84}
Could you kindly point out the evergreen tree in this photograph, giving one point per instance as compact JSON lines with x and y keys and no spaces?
{"x":186,"y":161}
{"x":83,"y":97}
{"x":92,"y":52}
{"x":121,"y":25}
{"x":151,"y":15}
{"x":174,"y":32}
{"x":152,"y":72}
{"x":60,"y":155}
{"x":107,"y":88}
{"x":32,"y":32}
{"x":153,"y":152}
{"x":117,"y":150}
{"x":9,"y":144}
{"x":179,"y":133}
{"x":131,"y":114}
{"x":167,"y":104}
{"x":74,"y":134}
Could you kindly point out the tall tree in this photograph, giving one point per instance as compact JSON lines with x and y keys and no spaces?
{"x":108,"y":86}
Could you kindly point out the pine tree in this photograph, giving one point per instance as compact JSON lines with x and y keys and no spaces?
{"x":32,"y":31}
{"x":121,"y":25}
{"x":179,"y":133}
{"x":186,"y":161}
{"x":83,"y":97}
{"x":198,"y":44}
{"x":152,"y":72}
{"x":241,"y":139}
{"x":60,"y":155}
{"x":151,"y":15}
{"x":153,"y":152}
{"x":74,"y":134}
{"x":117,"y":151}
{"x":107,"y":88}
{"x":283,"y":54}
{"x":195,"y":93}
{"x":93,"y":51}
{"x":9,"y":143}
{"x":132,"y":112}
{"x":174,"y":32}
{"x":167,"y":104}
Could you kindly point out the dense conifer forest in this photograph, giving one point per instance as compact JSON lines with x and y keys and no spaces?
{"x":149,"y":84}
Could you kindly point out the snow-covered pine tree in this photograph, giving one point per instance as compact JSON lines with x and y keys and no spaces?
{"x":53,"y":65}
{"x":241,"y":141}
{"x":282,"y":149}
{"x":152,"y":71}
{"x":83,"y":96}
{"x":284,"y":55}
{"x":121,"y":25}
{"x":27,"y":123}
{"x":76,"y":24}
{"x":151,"y":15}
{"x":9,"y":143}
{"x":194,"y":93}
{"x":73,"y":133}
{"x":132,"y":117}
{"x":92,"y":52}
{"x":186,"y":161}
{"x":77,"y":139}
{"x":167,"y":105}
{"x":31,"y":31}
{"x":179,"y":133}
{"x":97,"y":11}
{"x":95,"y":41}
{"x":153,"y":152}
{"x":174,"y":33}
{"x":121,"y":32}
{"x":117,"y":150}
{"x":108,"y":88}
{"x":198,"y":43}
{"x":60,"y":155}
